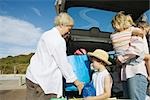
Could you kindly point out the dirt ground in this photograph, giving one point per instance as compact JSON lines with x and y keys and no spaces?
{"x":16,"y":94}
{"x":12,"y":90}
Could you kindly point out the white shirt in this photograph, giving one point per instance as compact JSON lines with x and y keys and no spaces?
{"x":129,"y":71}
{"x":50,"y":63}
{"x":98,"y":81}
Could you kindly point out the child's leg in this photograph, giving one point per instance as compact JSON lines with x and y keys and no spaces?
{"x":147,"y":62}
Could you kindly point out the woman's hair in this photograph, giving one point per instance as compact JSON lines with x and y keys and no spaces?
{"x":63,"y":19}
{"x":121,"y":21}
{"x":117,"y":21}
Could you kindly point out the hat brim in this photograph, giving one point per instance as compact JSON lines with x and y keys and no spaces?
{"x":93,"y":55}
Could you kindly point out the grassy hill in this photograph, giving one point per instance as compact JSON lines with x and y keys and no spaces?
{"x":16,"y":64}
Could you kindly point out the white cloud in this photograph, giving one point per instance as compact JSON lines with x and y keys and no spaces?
{"x":17,"y":36}
{"x":36,"y":11}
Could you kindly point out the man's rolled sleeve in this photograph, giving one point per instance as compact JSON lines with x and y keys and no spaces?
{"x":65,"y":67}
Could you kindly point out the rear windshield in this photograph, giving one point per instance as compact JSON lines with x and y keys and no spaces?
{"x":85,"y":18}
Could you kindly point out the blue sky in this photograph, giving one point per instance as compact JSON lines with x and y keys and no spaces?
{"x":22,"y":22}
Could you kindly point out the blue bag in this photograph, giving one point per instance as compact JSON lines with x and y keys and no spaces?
{"x":88,"y":90}
{"x":81,"y":67}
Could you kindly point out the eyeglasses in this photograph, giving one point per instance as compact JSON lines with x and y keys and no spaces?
{"x":69,"y":25}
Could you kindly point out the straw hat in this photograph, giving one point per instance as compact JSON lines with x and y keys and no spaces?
{"x":100,"y":54}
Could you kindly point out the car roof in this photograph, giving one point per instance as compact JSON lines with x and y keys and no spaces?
{"x":134,"y":7}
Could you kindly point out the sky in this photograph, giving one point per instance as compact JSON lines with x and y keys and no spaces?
{"x":22,"y":22}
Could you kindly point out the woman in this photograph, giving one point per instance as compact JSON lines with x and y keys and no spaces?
{"x":133,"y":70}
{"x":49,"y":63}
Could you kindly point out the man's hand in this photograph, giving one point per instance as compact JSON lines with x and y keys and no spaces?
{"x":79,"y":85}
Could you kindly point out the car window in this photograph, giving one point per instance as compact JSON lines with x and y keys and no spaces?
{"x":147,"y":14}
{"x":85,"y":18}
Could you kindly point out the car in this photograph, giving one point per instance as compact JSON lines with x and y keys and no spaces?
{"x":93,"y":37}
{"x":92,"y":27}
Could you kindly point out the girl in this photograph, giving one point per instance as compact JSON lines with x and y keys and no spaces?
{"x":102,"y":80}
